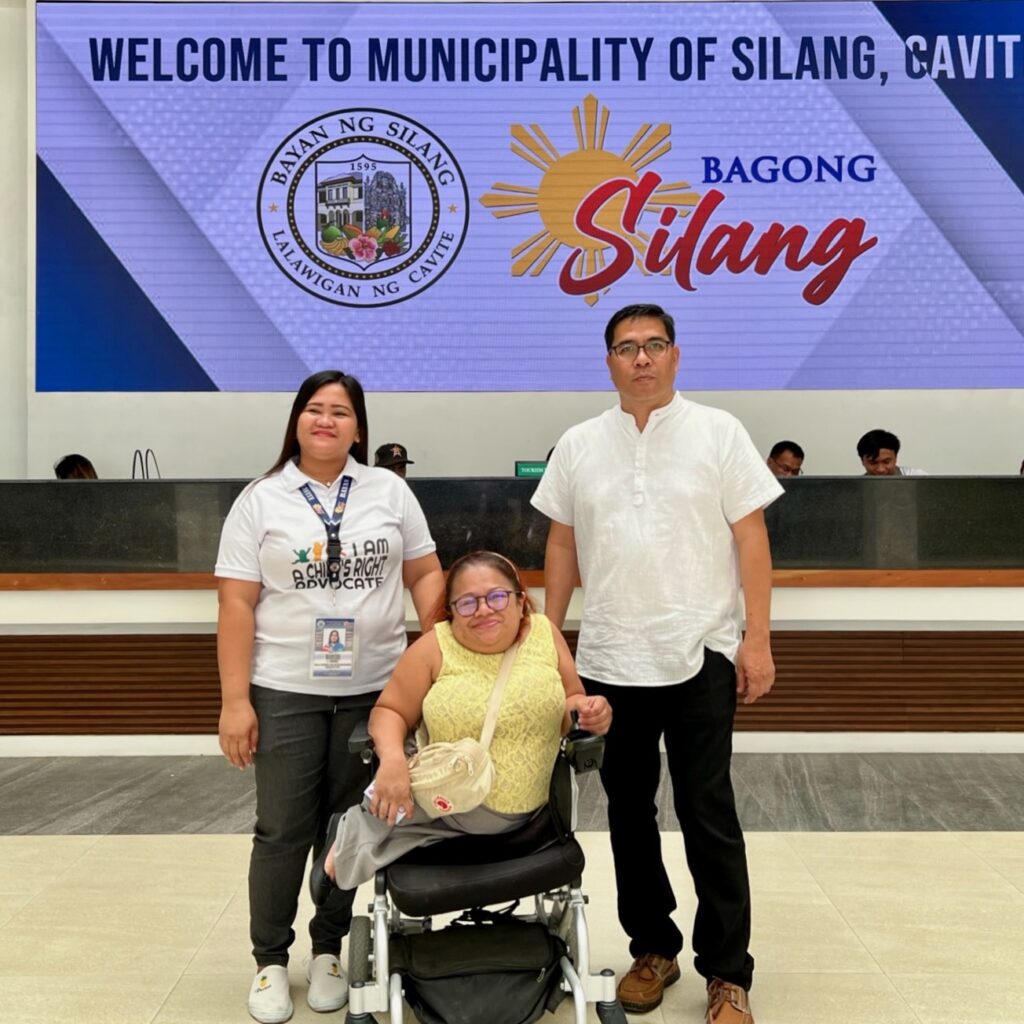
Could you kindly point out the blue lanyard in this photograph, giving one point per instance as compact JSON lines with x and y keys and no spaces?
{"x":332,"y":524}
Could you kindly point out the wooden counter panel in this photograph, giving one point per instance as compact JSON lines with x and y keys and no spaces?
{"x":827,"y":681}
{"x":108,"y":581}
{"x":893,"y":682}
{"x":898,"y":578}
{"x":109,"y":684}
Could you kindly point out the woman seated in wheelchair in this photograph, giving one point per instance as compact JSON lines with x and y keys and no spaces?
{"x":446,"y":679}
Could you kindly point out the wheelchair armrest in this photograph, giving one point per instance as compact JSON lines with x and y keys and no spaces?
{"x":359,"y":742}
{"x":584,"y":750}
{"x":580,"y":752}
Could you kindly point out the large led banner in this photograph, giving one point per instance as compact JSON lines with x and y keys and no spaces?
{"x":455,"y":197}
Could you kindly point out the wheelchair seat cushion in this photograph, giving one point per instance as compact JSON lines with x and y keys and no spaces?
{"x":537,"y":834}
{"x":420,"y":889}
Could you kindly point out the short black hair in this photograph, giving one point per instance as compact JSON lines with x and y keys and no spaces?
{"x":785,"y":446}
{"x":74,"y":467}
{"x":874,"y":441}
{"x":641,"y":309}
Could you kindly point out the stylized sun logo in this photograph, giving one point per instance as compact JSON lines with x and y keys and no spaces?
{"x":569,"y":179}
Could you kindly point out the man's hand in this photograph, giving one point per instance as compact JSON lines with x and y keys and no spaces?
{"x":595,"y":713}
{"x":755,"y":670}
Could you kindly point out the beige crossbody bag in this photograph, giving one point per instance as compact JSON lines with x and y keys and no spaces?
{"x":452,"y":778}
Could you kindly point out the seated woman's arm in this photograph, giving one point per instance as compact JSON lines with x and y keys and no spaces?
{"x":397,"y":711}
{"x":595,"y":712}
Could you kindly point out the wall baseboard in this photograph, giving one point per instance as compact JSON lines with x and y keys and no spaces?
{"x":744,"y":743}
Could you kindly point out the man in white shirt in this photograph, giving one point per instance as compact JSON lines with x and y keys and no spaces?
{"x":879,"y":453}
{"x":658,"y":505}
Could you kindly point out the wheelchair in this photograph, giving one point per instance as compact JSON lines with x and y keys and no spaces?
{"x":541,"y":861}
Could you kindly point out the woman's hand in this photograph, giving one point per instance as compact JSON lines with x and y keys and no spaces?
{"x":392,"y":791}
{"x":239,"y":732}
{"x":595,"y":713}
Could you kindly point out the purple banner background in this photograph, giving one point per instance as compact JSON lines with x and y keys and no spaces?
{"x":169,"y":174}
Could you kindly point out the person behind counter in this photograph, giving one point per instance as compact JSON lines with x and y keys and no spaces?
{"x":287,"y":584}
{"x":786,"y":459}
{"x":74,"y":467}
{"x":393,"y":456}
{"x":879,"y":453}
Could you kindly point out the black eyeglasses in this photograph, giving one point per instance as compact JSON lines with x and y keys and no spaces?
{"x":629,"y":350}
{"x":496,"y":600}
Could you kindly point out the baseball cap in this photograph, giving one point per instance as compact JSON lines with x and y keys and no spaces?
{"x":392,"y":454}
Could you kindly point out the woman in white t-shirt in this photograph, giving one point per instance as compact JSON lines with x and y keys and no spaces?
{"x":321,"y":545}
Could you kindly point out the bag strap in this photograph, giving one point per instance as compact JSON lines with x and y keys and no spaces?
{"x":494,"y":705}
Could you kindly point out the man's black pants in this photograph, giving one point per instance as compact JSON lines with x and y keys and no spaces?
{"x":696,"y":719}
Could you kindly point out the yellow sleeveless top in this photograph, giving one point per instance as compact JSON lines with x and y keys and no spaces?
{"x":529,"y":725}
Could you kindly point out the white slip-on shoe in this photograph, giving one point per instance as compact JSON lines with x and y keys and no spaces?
{"x":270,"y":1002}
{"x":328,"y":986}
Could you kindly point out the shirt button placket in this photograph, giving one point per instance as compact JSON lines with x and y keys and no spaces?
{"x":638,"y":472}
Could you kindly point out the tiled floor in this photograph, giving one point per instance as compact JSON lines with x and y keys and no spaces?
{"x":888,"y":889}
{"x":852,"y":928}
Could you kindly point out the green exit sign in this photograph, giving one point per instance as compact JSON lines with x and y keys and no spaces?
{"x":530,"y":469}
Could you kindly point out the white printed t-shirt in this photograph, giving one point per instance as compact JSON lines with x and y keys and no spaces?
{"x":651,"y":513}
{"x":273,"y":537}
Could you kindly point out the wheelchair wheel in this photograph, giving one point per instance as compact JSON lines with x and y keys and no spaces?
{"x":360,"y":945}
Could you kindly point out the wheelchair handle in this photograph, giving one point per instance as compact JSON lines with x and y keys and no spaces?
{"x":585,"y":750}
{"x":359,"y":742}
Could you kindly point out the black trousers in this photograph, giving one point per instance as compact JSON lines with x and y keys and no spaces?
{"x":304,"y":773}
{"x":695,"y":718}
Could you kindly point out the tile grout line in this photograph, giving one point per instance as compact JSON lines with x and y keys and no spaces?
{"x":885,"y":974}
{"x":940,"y":825}
{"x":938,"y":803}
{"x":785,"y":781}
{"x":5,"y":921}
{"x":796,"y":853}
{"x":761,"y":807}
{"x":195,"y":953}
{"x":55,"y":878}
{"x":1009,"y":881}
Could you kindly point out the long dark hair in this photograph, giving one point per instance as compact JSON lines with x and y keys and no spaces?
{"x":493,"y":560}
{"x":307,"y":389}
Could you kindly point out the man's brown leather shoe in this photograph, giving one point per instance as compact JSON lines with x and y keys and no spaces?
{"x":727,"y":1004}
{"x":643,"y":986}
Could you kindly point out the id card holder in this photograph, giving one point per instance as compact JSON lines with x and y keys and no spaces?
{"x":333,"y":653}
